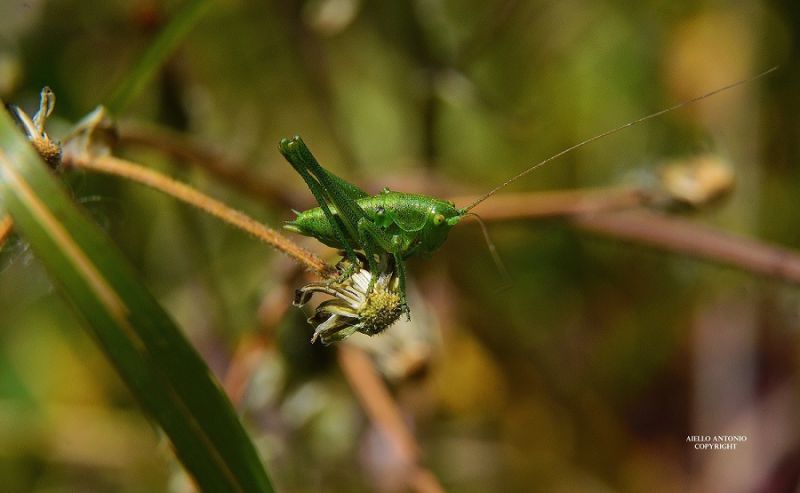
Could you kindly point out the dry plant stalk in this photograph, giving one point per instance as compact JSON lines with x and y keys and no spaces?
{"x":382,"y":410}
{"x":695,"y":240}
{"x":537,"y":205}
{"x":185,"y":193}
{"x":190,"y":152}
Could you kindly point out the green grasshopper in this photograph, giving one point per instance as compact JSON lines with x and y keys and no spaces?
{"x":396,"y":224}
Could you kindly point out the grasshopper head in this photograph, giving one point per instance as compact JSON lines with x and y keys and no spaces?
{"x":442,"y":216}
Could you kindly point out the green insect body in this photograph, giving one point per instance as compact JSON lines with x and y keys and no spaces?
{"x":390,"y":223}
{"x":415,"y":224}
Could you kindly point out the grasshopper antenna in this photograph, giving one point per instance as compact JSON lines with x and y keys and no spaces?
{"x":498,"y":262}
{"x":615,"y":130}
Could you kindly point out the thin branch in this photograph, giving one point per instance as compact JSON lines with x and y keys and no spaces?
{"x":135,"y":172}
{"x":188,"y":150}
{"x":600,"y":211}
{"x":191,"y":151}
{"x":377,"y":401}
{"x":695,"y":240}
{"x":382,"y":410}
{"x":537,"y":205}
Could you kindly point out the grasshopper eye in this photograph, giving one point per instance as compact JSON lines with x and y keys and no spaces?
{"x":438,"y":219}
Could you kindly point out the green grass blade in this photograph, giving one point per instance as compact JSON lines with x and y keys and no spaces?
{"x":159,"y":50}
{"x":160,"y":367}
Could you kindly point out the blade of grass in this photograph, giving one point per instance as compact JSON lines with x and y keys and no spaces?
{"x":159,"y":366}
{"x":5,"y":227}
{"x":159,"y":50}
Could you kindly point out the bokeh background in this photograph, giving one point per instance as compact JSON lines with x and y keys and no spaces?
{"x":587,"y":372}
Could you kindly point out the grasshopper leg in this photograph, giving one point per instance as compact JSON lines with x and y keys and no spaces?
{"x":353,"y":229}
{"x":370,"y":234}
{"x":291,"y":149}
{"x":401,"y":274}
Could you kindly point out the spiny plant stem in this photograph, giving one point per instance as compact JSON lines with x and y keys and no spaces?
{"x":185,"y":193}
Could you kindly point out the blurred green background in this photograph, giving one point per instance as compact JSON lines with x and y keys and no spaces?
{"x":586,"y":374}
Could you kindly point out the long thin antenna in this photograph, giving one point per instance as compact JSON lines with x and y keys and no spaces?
{"x":498,"y":262}
{"x":615,"y":130}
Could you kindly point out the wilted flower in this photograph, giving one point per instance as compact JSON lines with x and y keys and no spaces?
{"x":34,"y":127}
{"x":354,"y":308}
{"x":408,"y":348}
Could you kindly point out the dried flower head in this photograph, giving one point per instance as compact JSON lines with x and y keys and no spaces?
{"x":34,"y":127}
{"x":354,"y":307}
{"x":94,"y":135}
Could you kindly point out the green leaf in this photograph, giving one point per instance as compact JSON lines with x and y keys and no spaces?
{"x":157,"y":363}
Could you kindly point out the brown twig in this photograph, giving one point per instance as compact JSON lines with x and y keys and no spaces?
{"x":601,"y":211}
{"x":513,"y":206}
{"x":187,"y":150}
{"x":187,"y":194}
{"x":382,"y":410}
{"x":6,"y":225}
{"x":682,"y":236}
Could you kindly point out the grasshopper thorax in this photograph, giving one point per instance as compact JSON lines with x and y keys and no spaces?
{"x":417,"y":223}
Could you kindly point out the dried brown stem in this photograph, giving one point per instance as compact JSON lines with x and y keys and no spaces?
{"x":513,"y":206}
{"x":382,"y":410}
{"x":601,"y":211}
{"x":187,"y":150}
{"x":682,"y":236}
{"x":187,"y":194}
